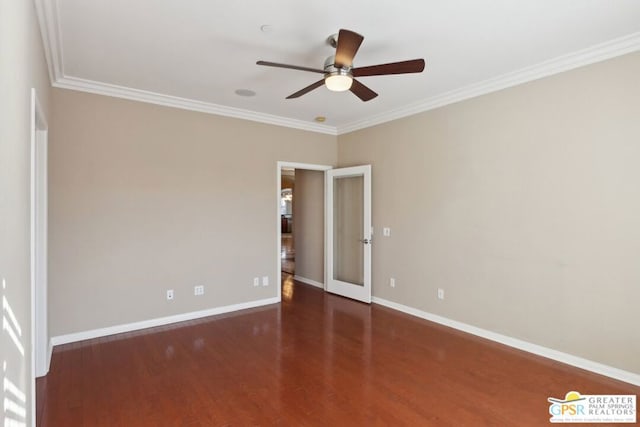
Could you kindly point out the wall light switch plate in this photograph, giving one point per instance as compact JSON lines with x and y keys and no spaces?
{"x":386,"y":232}
{"x":169,"y":294}
{"x":265,"y":280}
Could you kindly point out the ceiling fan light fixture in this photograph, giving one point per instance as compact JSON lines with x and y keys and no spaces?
{"x":338,"y":81}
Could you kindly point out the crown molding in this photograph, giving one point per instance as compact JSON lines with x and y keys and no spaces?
{"x":47,"y":11}
{"x":99,"y":88}
{"x":591,"y":55}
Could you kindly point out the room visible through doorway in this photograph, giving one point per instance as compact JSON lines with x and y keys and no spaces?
{"x":300,"y":222}
{"x":287,"y":249}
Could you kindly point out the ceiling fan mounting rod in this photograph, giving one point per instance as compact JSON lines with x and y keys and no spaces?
{"x":332,"y":40}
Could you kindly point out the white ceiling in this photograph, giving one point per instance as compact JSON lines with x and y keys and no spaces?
{"x":195,"y":53}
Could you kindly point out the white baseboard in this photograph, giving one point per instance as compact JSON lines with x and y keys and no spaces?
{"x":49,"y":353}
{"x":309,"y":281}
{"x":129,"y":327}
{"x":39,"y":374}
{"x":569,"y":359}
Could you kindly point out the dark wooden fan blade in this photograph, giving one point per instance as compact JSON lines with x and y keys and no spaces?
{"x":361,"y":91}
{"x":348,"y":44}
{"x":306,"y":89}
{"x":292,"y":67}
{"x":403,"y":67}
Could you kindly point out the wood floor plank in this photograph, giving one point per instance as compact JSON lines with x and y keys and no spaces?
{"x":316,"y":359}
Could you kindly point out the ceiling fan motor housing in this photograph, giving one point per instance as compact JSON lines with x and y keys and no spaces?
{"x":329,"y":66}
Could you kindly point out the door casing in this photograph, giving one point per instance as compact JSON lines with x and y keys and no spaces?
{"x":40,"y":347}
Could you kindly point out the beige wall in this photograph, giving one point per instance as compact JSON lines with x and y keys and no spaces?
{"x":308,"y":214}
{"x":22,"y":66}
{"x":141,"y":201}
{"x":523,"y":205}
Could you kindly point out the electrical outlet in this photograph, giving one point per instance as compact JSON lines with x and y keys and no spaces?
{"x":265,"y":280}
{"x":392,"y":282}
{"x":169,"y":294}
{"x":198,"y":290}
{"x":440,"y":293}
{"x":256,"y":281}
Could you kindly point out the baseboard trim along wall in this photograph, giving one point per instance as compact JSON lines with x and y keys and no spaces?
{"x":309,"y":281}
{"x":549,"y":353}
{"x":49,"y":354}
{"x":161,"y":321}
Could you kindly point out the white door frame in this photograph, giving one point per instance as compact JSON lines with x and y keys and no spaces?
{"x":40,"y":349}
{"x":289,"y":165}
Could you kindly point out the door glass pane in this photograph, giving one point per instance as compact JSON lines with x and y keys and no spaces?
{"x":348,"y":228}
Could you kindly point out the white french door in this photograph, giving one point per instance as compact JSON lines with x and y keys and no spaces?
{"x":348,"y":232}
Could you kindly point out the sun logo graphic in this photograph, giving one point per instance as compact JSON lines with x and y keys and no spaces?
{"x":592,"y":408}
{"x":571,"y":405}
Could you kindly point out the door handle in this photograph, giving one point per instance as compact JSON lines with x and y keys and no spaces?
{"x":367,"y":241}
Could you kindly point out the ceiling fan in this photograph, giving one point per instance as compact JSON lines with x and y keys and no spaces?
{"x":339,"y":72}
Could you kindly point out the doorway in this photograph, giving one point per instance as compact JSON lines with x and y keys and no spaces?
{"x":295,"y":228}
{"x":341,"y":236}
{"x":287,"y":254}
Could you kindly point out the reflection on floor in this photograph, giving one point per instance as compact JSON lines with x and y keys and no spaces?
{"x":287,"y":287}
{"x":288,"y":254}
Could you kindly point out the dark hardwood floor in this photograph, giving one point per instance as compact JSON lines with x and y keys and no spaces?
{"x":315,"y":360}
